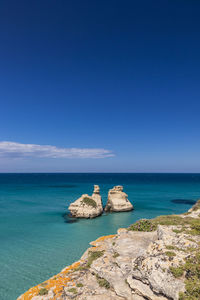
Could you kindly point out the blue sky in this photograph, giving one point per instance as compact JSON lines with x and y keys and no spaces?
{"x":99,"y":86}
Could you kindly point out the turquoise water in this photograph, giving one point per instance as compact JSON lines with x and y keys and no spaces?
{"x":36,"y":241}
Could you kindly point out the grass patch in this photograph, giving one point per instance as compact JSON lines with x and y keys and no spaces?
{"x":143,"y":225}
{"x":73,"y":290}
{"x":80,"y":268}
{"x":195,"y":227}
{"x":89,"y":202}
{"x":191,"y":249}
{"x":42,"y":292}
{"x":79,"y":284}
{"x":177,"y":271}
{"x":191,"y":240}
{"x":189,"y":225}
{"x":93,"y":255}
{"x":170,"y":253}
{"x":192,"y":281}
{"x":103,"y":282}
{"x":170,"y":247}
{"x":152,"y":224}
{"x":178,"y":230}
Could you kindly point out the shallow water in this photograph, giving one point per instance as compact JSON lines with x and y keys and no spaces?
{"x":36,"y":241}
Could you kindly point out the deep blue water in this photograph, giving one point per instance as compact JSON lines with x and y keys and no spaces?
{"x":37,"y":242}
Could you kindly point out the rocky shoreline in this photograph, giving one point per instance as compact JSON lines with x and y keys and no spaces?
{"x":155,"y":259}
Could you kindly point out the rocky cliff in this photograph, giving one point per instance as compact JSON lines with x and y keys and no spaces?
{"x":155,"y":259}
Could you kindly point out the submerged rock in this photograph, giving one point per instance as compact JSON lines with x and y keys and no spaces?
{"x":87,"y":206}
{"x":118,"y":200}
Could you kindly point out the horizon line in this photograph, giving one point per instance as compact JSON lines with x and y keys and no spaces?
{"x":61,"y":172}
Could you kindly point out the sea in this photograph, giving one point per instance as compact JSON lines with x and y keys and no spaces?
{"x":38,"y":238}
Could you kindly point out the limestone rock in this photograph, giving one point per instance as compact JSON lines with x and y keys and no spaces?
{"x":130,"y":265}
{"x":87,"y":206}
{"x":118,"y":200}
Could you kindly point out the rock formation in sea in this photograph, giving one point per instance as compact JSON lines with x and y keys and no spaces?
{"x":156,"y":259}
{"x":118,"y":200}
{"x":87,"y":206}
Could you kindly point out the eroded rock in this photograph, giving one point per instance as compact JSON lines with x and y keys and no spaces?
{"x":87,"y":206}
{"x":118,"y":200}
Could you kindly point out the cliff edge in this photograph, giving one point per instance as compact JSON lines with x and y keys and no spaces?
{"x":155,"y":259}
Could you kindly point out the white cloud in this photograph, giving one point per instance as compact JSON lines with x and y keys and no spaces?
{"x":17,"y":150}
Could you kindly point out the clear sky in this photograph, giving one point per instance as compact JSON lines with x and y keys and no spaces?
{"x":99,"y":86}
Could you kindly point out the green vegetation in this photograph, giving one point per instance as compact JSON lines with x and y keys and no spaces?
{"x":178,"y":230}
{"x":170,"y":253}
{"x":143,"y":225}
{"x":152,"y":224}
{"x":79,"y":285}
{"x":116,"y":254}
{"x":103,"y":282}
{"x":169,"y":220}
{"x":80,"y":268}
{"x":93,"y":255}
{"x":195,"y":227}
{"x":192,"y":265}
{"x":42,"y":292}
{"x":170,"y":247}
{"x":192,"y":274}
{"x":177,"y":271}
{"x":113,"y":243}
{"x":89,"y":202}
{"x":189,"y":225}
{"x":191,"y":249}
{"x":73,"y":290}
{"x":191,"y":240}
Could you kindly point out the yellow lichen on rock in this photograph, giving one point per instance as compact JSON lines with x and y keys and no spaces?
{"x":55,"y":283}
{"x":102,"y":239}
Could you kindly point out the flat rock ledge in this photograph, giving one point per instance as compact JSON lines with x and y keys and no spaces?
{"x":87,"y":206}
{"x":144,"y":262}
{"x":118,"y":200}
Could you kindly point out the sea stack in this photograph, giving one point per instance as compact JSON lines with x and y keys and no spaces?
{"x":118,"y":200}
{"x":87,"y":206}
